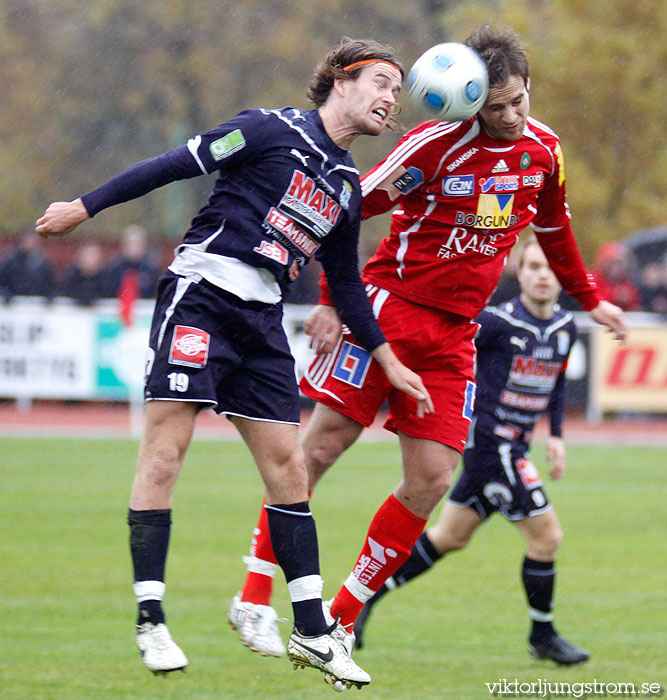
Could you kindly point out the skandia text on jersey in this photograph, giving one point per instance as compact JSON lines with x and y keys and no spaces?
{"x":461,"y":159}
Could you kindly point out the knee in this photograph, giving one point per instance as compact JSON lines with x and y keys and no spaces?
{"x":321,"y":455}
{"x":160,"y":466}
{"x":449,"y":539}
{"x":546,"y":546}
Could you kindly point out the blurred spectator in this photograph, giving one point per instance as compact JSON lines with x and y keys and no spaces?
{"x":653,"y":287}
{"x":612,"y":275}
{"x":26,"y":270}
{"x":133,"y":266}
{"x":83,"y":280}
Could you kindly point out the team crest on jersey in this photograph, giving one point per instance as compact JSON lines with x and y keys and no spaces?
{"x":345,"y":194}
{"x":189,"y":347}
{"x":352,"y":364}
{"x":273,"y":251}
{"x":563,"y":340}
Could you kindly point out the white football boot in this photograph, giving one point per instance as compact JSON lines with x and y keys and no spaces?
{"x":257,"y":626}
{"x":328,"y":654}
{"x":158,"y":650}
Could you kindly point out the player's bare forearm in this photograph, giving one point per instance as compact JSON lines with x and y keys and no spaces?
{"x":61,"y":218}
{"x":403,"y":379}
{"x":611,"y":316}
{"x":556,"y":456}
{"x":324,"y":328}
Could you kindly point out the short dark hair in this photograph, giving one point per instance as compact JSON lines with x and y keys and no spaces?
{"x":348,"y":52}
{"x":502,"y":52}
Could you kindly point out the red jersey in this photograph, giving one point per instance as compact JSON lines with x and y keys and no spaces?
{"x":461,"y":200}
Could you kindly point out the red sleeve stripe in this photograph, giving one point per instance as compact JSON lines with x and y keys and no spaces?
{"x":402,"y":152}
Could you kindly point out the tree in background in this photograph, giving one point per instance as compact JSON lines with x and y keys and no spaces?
{"x":89,"y":88}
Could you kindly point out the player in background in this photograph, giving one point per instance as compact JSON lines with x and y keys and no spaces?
{"x":522,"y":352}
{"x":461,"y":193}
{"x":287,"y":189}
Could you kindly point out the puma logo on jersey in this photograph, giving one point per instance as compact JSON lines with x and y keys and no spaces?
{"x":300,"y":156}
{"x":519,"y":342}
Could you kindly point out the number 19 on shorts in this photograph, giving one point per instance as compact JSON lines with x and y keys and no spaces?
{"x":178,"y":381}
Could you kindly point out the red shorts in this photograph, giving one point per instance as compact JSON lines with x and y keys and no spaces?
{"x":434,"y":343}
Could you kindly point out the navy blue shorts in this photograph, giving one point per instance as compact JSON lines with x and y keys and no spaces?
{"x":210,"y":347}
{"x":498,"y":475}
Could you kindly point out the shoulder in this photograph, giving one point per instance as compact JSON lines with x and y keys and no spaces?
{"x":435,"y":131}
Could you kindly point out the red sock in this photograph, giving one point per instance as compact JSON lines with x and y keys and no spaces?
{"x":391,"y":535}
{"x":262,"y":564}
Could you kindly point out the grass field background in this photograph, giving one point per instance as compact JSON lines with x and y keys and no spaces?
{"x":67,"y":610}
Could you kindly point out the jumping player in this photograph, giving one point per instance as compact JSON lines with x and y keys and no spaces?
{"x":461,"y":193}
{"x":287,"y":189}
{"x":522,"y":352}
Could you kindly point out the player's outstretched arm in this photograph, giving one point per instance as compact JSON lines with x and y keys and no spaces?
{"x":324,"y":328}
{"x":403,"y":379}
{"x":556,"y":456}
{"x":61,"y":218}
{"x":611,"y":316}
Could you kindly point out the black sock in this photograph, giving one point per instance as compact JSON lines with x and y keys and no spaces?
{"x":422,"y":558}
{"x":149,"y":541}
{"x":294,"y":542}
{"x":538,"y":581}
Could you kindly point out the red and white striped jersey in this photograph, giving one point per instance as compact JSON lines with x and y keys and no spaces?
{"x":461,"y":199}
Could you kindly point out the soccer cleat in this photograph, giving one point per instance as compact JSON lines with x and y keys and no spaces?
{"x":327,"y":654}
{"x":559,"y":650}
{"x":158,"y":650}
{"x":257,"y":626}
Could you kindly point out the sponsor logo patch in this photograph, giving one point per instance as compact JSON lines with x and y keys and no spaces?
{"x":493,"y":211}
{"x":228,"y":144}
{"x":189,"y":347}
{"x":528,"y":473}
{"x":352,"y":364}
{"x":273,"y":251}
{"x":523,"y":401}
{"x":534,"y":180}
{"x":409,"y":180}
{"x":458,"y":185}
{"x":311,"y":208}
{"x":291,"y":231}
{"x":499,"y":183}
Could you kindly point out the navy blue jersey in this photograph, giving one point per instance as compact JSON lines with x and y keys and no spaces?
{"x":285,"y":192}
{"x":520,"y":370}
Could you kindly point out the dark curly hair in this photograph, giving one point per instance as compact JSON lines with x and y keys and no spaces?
{"x":502,"y":52}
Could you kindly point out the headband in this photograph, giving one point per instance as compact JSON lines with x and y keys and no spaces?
{"x":370,"y":60}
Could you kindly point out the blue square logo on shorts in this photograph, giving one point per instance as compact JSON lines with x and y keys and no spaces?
{"x":352,"y":364}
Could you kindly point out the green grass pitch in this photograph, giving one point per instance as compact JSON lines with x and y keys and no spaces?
{"x":67,"y":609}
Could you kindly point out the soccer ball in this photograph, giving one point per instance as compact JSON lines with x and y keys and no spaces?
{"x":450,"y":81}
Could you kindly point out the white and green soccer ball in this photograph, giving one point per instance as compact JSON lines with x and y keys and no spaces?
{"x":449,"y":81}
